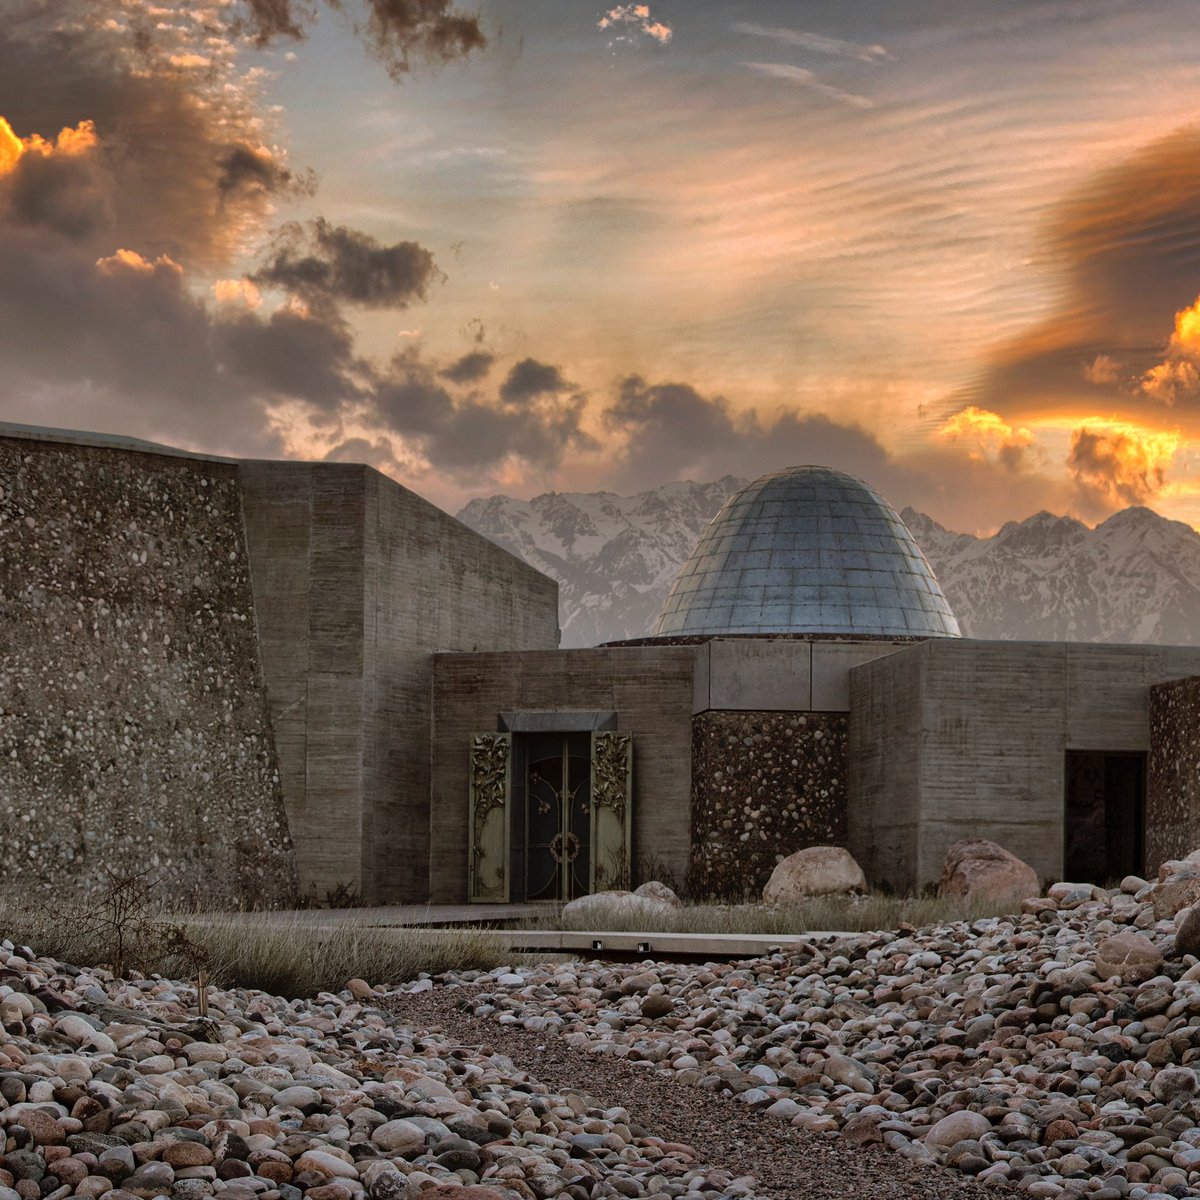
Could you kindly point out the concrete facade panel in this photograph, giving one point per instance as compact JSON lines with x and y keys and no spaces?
{"x":651,"y":690}
{"x":832,"y":663}
{"x":883,"y":792}
{"x":358,"y":581}
{"x":758,"y":675}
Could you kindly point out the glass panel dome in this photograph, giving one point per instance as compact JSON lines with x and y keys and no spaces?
{"x":807,"y":550}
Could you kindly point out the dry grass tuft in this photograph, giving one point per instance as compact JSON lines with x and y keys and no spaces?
{"x":285,"y":956}
{"x":836,"y":913}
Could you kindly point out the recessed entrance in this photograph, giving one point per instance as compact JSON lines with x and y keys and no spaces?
{"x":1105,"y":800}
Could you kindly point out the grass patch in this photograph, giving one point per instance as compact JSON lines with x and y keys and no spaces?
{"x":854,"y":914}
{"x":284,"y":956}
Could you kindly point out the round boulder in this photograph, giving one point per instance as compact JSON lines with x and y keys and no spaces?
{"x":1187,"y":932}
{"x":816,"y":871}
{"x":617,"y":904}
{"x":1132,"y":957}
{"x":976,"y":867}
{"x":659,"y":891}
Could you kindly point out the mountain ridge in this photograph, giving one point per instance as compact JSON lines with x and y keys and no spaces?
{"x":1133,"y":578}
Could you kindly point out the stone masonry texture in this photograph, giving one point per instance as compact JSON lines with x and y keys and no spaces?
{"x":134,"y":730}
{"x":1173,"y":770}
{"x":765,"y":784}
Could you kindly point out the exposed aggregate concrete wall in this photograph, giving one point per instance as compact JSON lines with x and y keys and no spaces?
{"x":764,"y":785}
{"x":134,"y":731}
{"x":1173,"y":770}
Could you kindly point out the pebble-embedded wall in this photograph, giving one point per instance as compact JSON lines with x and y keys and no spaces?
{"x":134,"y":731}
{"x":764,"y":784}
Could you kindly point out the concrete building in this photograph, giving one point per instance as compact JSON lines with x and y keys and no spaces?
{"x":268,"y":676}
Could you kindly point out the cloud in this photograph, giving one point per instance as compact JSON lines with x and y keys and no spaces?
{"x":1177,"y":376}
{"x":1103,"y":369}
{"x":529,"y":379}
{"x":985,"y":435}
{"x":672,"y":431}
{"x":398,"y":32}
{"x":536,"y":420}
{"x":149,"y":157}
{"x":325,"y":264}
{"x":1126,"y":245}
{"x":1117,"y":466}
{"x":634,"y":20}
{"x":816,"y":42}
{"x":471,"y":368}
{"x":806,"y":79}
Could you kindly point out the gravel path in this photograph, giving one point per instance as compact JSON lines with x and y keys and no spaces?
{"x":784,"y":1161}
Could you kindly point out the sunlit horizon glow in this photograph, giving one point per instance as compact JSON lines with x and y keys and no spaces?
{"x":578,"y":247}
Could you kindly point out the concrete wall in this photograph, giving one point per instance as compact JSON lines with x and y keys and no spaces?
{"x":358,"y":581}
{"x":977,"y":732}
{"x":764,"y":785}
{"x":781,"y":674}
{"x":649,"y":687}
{"x":1173,"y":786}
{"x":134,"y":730}
{"x":884,"y":768}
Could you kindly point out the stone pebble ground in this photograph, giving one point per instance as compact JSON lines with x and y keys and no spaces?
{"x":1055,"y":1052}
{"x":1051,"y":1053}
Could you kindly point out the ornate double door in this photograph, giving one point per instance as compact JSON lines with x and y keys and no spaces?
{"x":550,"y":815}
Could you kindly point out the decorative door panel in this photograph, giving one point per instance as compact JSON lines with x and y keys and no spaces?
{"x":612,"y":811}
{"x":490,"y":819}
{"x":557,"y":816}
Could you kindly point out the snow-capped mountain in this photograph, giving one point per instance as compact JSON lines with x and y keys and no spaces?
{"x":1134,"y":578}
{"x":614,"y":557}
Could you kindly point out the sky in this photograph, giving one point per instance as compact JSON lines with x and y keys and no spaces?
{"x":517,"y":246}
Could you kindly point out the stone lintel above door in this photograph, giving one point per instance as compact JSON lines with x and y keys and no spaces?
{"x":556,"y":720}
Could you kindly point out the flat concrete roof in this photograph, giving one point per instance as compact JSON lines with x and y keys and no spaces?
{"x":104,"y":441}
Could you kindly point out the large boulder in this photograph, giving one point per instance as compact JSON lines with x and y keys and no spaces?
{"x":617,"y":904}
{"x":1177,"y":888}
{"x":659,"y":891}
{"x":981,"y":869}
{"x":817,"y":871}
{"x":1132,"y":957}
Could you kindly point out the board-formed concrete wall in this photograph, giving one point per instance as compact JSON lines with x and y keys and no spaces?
{"x":650,"y":688}
{"x":958,"y":739}
{"x":358,"y":581}
{"x":764,"y":785}
{"x":134,"y":731}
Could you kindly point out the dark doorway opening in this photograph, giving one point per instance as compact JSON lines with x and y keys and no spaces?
{"x":552,"y":834}
{"x":1105,"y":800}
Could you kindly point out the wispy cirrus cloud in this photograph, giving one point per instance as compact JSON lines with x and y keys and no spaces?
{"x":806,"y":79}
{"x":816,"y":42}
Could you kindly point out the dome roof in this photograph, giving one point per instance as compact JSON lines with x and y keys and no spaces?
{"x":807,"y":550}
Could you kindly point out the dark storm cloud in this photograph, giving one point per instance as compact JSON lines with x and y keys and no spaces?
{"x":673,"y":431}
{"x":396,"y":31}
{"x":328,"y":264}
{"x":247,"y":170}
{"x":529,"y":379}
{"x":467,"y":434}
{"x":176,"y":169}
{"x":291,"y":355}
{"x":73,"y":195}
{"x":471,"y":368}
{"x":1127,"y":245}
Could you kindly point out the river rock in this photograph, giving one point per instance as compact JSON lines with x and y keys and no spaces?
{"x":1132,"y":957}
